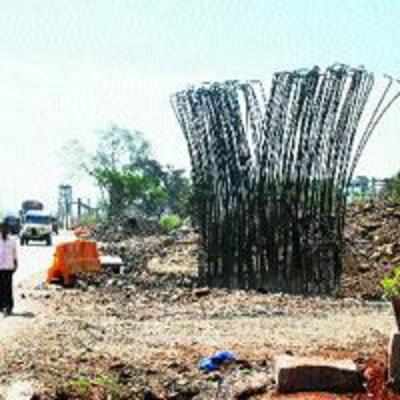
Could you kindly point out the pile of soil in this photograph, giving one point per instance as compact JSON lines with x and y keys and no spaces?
{"x":372,"y":236}
{"x":136,"y":251}
{"x":123,"y":228}
{"x":141,"y":257}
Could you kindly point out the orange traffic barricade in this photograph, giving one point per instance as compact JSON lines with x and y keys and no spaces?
{"x":71,"y":258}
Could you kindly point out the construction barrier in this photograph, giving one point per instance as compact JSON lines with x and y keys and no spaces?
{"x":71,"y":258}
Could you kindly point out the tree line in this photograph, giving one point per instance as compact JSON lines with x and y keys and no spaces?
{"x":130,"y":179}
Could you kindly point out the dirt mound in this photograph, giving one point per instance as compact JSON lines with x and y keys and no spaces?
{"x":371,"y":236}
{"x":141,"y":258}
{"x":123,"y":228}
{"x":372,"y":245}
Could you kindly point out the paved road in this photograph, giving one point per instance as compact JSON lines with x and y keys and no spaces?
{"x":37,"y":257}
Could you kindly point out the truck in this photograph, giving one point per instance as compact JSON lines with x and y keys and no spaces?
{"x":30,"y":205}
{"x":38,"y":226}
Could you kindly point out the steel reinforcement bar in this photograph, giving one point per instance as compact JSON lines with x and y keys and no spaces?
{"x":270,"y":174}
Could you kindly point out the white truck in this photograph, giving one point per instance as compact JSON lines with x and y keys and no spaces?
{"x":37,"y":225}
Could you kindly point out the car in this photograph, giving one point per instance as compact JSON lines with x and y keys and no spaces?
{"x":37,"y":226}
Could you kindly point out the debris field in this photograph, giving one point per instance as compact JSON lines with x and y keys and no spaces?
{"x":139,"y":331}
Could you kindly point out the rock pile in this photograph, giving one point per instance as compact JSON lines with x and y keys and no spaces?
{"x":122,"y":228}
{"x":180,"y":250}
{"x":135,"y":251}
{"x":372,"y":237}
{"x":372,"y":244}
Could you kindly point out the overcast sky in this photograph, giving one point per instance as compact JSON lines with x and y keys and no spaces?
{"x":71,"y":67}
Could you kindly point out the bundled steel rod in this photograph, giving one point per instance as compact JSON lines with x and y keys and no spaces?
{"x":270,"y":175}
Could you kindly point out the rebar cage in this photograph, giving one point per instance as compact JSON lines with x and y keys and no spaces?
{"x":270,"y":174}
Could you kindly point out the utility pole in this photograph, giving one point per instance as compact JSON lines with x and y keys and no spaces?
{"x":65,"y":204}
{"x":79,"y":209}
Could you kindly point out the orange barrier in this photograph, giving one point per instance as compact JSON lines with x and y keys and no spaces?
{"x":71,"y":258}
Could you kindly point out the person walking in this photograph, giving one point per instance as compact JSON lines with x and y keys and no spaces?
{"x":8,"y":265}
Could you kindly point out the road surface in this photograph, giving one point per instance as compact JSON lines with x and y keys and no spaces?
{"x":37,"y":257}
{"x":34,"y":261}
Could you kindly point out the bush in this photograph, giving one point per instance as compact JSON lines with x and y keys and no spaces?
{"x":170,"y":222}
{"x":391,"y":283}
{"x":391,"y":190}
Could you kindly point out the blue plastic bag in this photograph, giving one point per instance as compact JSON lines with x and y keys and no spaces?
{"x":209,"y":364}
{"x":223,"y":356}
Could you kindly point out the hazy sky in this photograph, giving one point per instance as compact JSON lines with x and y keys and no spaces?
{"x":71,"y":67}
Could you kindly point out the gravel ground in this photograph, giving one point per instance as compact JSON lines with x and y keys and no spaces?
{"x":77,"y":333}
{"x":142,"y":340}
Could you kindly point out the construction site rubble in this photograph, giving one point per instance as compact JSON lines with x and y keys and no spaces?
{"x":122,"y":228}
{"x":371,"y":235}
{"x":372,"y":246}
{"x":158,"y":325}
{"x":137,"y":251}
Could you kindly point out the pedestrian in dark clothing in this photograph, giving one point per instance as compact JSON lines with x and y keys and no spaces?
{"x":8,"y":265}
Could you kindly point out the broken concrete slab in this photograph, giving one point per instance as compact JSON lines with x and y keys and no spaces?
{"x":111,"y":261}
{"x":394,"y":360}
{"x":300,"y":374}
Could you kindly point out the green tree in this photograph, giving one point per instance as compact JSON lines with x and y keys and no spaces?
{"x":391,"y":189}
{"x":117,"y":168}
{"x":154,"y":199}
{"x":175,"y":184}
{"x":179,"y":191}
{"x":128,"y":177}
{"x":121,"y":188}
